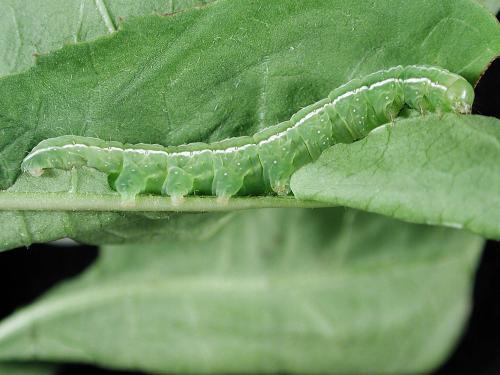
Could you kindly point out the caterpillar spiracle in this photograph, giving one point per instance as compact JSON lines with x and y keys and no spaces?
{"x":262,"y":163}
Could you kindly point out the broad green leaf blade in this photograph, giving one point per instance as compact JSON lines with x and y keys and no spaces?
{"x":29,"y":28}
{"x":435,"y":170}
{"x":327,"y":290}
{"x":190,"y":77}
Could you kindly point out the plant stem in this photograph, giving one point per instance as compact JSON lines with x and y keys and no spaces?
{"x":12,"y":201}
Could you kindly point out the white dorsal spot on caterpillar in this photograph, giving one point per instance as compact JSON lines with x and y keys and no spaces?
{"x":262,"y":156}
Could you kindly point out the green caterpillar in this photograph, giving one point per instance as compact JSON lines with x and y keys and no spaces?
{"x":262,"y":163}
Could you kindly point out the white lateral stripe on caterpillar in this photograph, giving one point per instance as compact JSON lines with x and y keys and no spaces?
{"x":240,"y":148}
{"x":265,"y":162}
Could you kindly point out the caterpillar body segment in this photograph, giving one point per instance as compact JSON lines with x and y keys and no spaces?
{"x":262,"y":163}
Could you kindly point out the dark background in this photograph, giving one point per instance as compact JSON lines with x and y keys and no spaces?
{"x":27,"y":273}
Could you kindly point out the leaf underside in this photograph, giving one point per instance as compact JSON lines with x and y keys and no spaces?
{"x":336,"y":291}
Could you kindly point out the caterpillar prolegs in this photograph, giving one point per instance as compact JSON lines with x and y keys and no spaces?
{"x":262,"y":163}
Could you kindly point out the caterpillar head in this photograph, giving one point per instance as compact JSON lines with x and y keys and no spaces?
{"x":460,"y":95}
{"x":32,"y":165}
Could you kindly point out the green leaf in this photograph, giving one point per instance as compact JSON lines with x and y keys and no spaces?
{"x":339,"y":291}
{"x":190,"y":77}
{"x":29,"y":28}
{"x":434,"y":170}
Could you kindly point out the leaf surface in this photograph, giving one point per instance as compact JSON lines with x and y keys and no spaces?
{"x":190,"y":77}
{"x":434,"y":170}
{"x":30,"y":28}
{"x":311,"y":291}
{"x":226,"y":69}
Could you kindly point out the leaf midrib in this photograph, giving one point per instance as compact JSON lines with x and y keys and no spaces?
{"x":57,"y":306}
{"x":63,"y":201}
